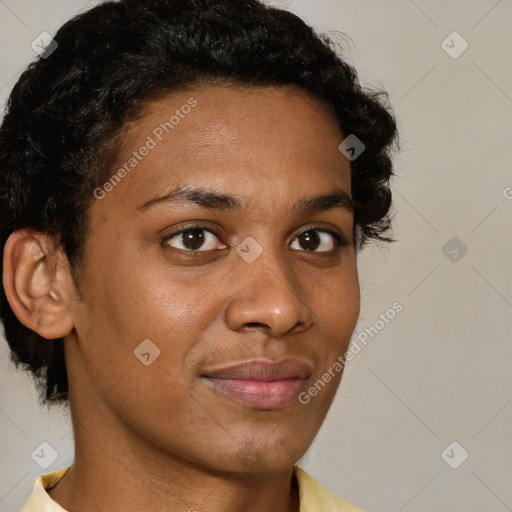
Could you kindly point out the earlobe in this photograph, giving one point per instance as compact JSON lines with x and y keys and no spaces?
{"x":36,"y":284}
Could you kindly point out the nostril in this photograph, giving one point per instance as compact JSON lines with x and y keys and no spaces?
{"x":251,"y":326}
{"x":254,"y":324}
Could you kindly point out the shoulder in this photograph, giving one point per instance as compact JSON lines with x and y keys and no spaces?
{"x":39,"y":499}
{"x":316,"y":498}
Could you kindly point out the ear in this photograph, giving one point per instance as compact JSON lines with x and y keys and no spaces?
{"x":38,"y":283}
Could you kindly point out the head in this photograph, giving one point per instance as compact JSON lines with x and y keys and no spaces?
{"x":174,"y":201}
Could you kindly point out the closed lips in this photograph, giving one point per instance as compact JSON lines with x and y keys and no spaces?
{"x":263,"y":370}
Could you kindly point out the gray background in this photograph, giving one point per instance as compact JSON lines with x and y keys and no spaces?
{"x":440,"y":371}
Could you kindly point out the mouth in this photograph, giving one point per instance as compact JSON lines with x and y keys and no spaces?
{"x":261,"y":383}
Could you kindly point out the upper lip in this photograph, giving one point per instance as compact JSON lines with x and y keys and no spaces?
{"x":263,"y":369}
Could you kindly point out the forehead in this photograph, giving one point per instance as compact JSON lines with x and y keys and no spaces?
{"x":262,"y":142}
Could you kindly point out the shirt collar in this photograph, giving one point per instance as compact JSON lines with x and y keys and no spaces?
{"x":312,"y":496}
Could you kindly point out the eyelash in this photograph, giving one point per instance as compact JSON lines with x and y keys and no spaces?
{"x":339,"y":240}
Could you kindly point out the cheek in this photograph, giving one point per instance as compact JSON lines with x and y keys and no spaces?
{"x":143,"y":299}
{"x":335,"y":300}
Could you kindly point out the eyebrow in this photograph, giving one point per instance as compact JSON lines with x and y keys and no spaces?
{"x":213,"y":200}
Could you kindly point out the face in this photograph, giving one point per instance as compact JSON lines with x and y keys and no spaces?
{"x":215,"y":289}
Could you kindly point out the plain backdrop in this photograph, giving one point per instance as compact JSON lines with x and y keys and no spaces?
{"x":423,"y":417}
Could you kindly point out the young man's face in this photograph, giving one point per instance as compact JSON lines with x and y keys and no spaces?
{"x":205,"y":305}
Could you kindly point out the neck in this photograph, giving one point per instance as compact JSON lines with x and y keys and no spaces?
{"x":122,"y":473}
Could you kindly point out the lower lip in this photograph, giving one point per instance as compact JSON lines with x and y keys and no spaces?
{"x":260,"y":394}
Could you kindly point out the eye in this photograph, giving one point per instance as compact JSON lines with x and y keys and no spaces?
{"x":197,"y":238}
{"x":319,"y":240}
{"x":193,"y":238}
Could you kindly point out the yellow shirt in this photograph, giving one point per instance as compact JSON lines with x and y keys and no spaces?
{"x":313,"y":497}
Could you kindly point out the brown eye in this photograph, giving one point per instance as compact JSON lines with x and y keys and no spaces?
{"x":314,"y":239}
{"x":309,"y":240}
{"x":193,"y":239}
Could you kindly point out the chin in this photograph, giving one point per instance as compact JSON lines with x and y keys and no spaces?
{"x":260,"y":456}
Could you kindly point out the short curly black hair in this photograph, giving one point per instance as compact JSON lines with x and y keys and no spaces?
{"x":65,"y":115}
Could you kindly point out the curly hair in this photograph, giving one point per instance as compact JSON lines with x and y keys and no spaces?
{"x":64,"y":119}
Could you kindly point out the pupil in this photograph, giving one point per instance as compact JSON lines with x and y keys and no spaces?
{"x":311,"y":240}
{"x":193,"y":239}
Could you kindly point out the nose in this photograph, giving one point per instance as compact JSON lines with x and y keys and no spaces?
{"x":267,"y":296}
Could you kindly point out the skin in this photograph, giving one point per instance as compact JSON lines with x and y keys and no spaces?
{"x":158,"y":437}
